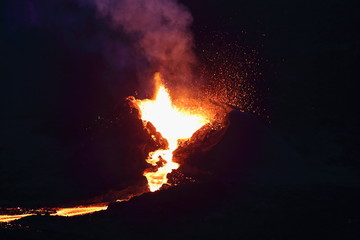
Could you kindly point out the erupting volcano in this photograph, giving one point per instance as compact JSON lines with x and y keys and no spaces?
{"x":168,"y":124}
{"x":173,"y":124}
{"x":164,"y":38}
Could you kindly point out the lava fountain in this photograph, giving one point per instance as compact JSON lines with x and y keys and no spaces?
{"x":173,"y":124}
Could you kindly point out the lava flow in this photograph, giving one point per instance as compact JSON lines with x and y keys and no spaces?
{"x":64,"y":212}
{"x":173,"y":124}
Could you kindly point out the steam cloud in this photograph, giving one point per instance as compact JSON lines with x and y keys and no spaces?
{"x":161,"y":33}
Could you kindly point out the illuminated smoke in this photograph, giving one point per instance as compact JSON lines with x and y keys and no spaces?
{"x":160,"y":31}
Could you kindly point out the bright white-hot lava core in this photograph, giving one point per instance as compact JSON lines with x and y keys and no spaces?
{"x":173,"y":123}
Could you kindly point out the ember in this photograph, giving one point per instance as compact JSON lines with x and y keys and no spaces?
{"x":174,"y":124}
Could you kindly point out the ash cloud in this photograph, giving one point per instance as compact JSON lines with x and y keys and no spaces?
{"x":160,"y":31}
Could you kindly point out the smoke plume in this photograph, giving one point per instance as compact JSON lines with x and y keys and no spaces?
{"x":160,"y":30}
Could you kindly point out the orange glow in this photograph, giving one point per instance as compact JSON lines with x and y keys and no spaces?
{"x":64,"y":212}
{"x":75,"y":211}
{"x":9,"y":218}
{"x":173,"y":123}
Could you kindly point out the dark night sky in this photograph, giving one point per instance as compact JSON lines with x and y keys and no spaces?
{"x":65,"y":72}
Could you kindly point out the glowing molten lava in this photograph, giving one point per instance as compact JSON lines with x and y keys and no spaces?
{"x":64,"y":212}
{"x":174,"y":124}
{"x":80,"y":210}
